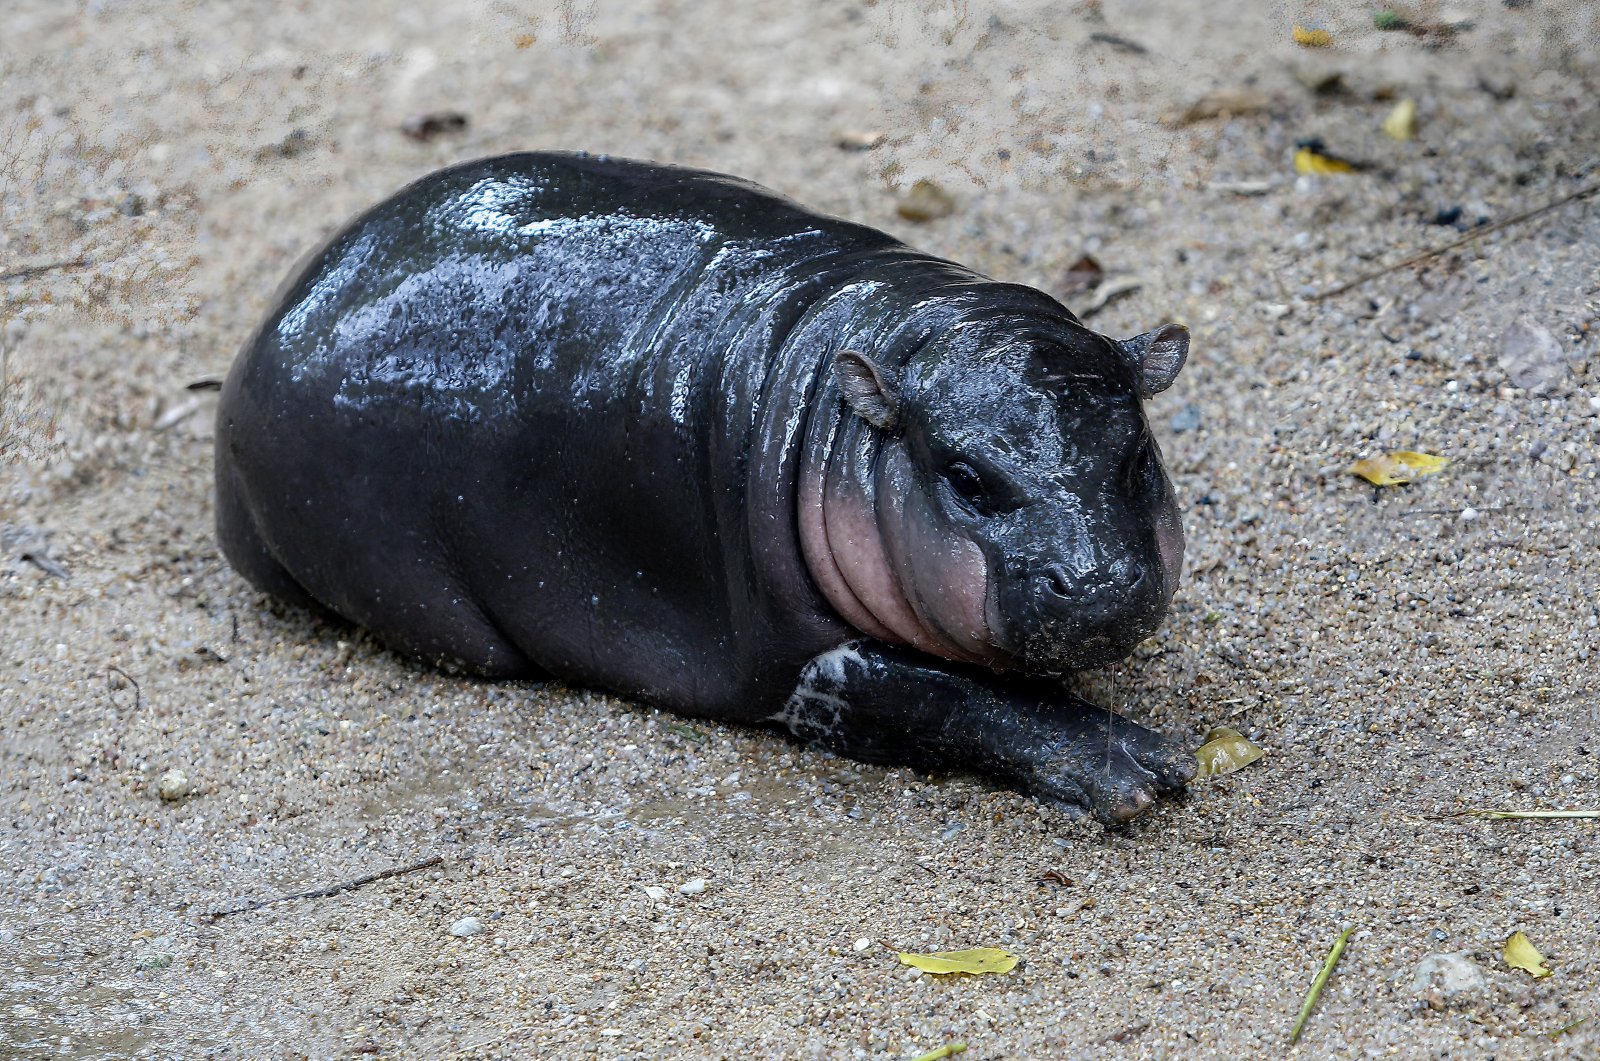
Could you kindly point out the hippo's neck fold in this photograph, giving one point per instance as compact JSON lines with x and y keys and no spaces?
{"x":860,"y":544}
{"x":864,"y":551}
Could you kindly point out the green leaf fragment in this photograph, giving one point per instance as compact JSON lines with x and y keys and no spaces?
{"x":688,"y":733}
{"x":1224,"y":751}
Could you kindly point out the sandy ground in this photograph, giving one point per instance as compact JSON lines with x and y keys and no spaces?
{"x":1401,"y":654}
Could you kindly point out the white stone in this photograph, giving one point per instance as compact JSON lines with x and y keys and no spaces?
{"x":467,"y":926}
{"x":1452,"y":973}
{"x":1531,"y":356}
{"x":173,"y":786}
{"x":693,"y":887}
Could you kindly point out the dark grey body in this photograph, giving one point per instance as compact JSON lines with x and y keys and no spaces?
{"x":548,"y":414}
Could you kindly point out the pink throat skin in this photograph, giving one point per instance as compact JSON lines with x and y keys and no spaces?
{"x":842,"y":536}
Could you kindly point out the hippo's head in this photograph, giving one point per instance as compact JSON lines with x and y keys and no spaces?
{"x":1022,"y":512}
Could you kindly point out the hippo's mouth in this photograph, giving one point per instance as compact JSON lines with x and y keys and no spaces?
{"x":1056,"y":646}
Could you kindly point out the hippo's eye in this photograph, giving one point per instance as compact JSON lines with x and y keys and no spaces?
{"x":967,"y":484}
{"x":1145,"y":464}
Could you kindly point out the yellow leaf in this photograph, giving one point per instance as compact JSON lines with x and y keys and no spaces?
{"x":1312,"y":38}
{"x":1401,"y":124}
{"x":1402,"y":466}
{"x":1307,"y":160}
{"x":982,"y":960}
{"x":1225,"y":751}
{"x":1522,"y":954}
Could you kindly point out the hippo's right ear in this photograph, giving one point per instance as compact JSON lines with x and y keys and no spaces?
{"x":1156,"y":357}
{"x":867,"y":390}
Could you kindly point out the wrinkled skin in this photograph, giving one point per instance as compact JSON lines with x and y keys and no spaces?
{"x":660,"y":431}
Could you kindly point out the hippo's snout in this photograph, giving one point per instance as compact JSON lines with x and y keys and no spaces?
{"x":1066,"y":621}
{"x":1056,"y":582}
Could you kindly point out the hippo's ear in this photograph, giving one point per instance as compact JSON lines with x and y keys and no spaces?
{"x":867,"y":390}
{"x":1156,"y":357}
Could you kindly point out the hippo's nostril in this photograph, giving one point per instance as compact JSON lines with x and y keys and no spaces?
{"x":1056,"y":580}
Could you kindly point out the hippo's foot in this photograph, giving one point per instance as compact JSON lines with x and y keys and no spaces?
{"x":882,"y":703}
{"x":1078,"y":753}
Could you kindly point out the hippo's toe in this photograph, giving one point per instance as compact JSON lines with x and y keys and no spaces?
{"x":1113,"y":767}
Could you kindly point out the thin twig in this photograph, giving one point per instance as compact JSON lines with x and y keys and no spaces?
{"x":1124,"y":1035}
{"x":1515,"y":815}
{"x":938,"y":1053}
{"x":1458,"y":510}
{"x":1319,"y":983}
{"x":1564,"y":1029}
{"x":138,"y":694}
{"x":1475,"y":234}
{"x":22,"y":272}
{"x":324,"y":893}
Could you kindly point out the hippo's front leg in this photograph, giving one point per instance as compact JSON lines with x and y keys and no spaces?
{"x":877,"y":702}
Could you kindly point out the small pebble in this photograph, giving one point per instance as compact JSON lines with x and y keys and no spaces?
{"x":173,"y":786}
{"x":1185,"y":419}
{"x":693,"y":887}
{"x":860,"y":945}
{"x":656,"y":892}
{"x":1531,"y":356}
{"x":926,"y":201}
{"x":1452,"y":973}
{"x":1321,"y":80}
{"x":860,"y":140}
{"x":434,"y":123}
{"x":467,"y":926}
{"x":1401,"y":124}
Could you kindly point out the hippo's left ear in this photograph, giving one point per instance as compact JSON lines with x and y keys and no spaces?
{"x":1156,"y":357}
{"x":867,"y":390}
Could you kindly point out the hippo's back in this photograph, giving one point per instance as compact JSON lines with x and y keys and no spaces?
{"x":505,"y":417}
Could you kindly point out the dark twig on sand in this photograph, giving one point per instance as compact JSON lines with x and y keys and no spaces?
{"x":111,"y":690}
{"x":1475,"y":234}
{"x":22,"y":272}
{"x":324,"y":893}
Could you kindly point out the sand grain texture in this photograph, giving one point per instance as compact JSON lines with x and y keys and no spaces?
{"x":162,"y":166}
